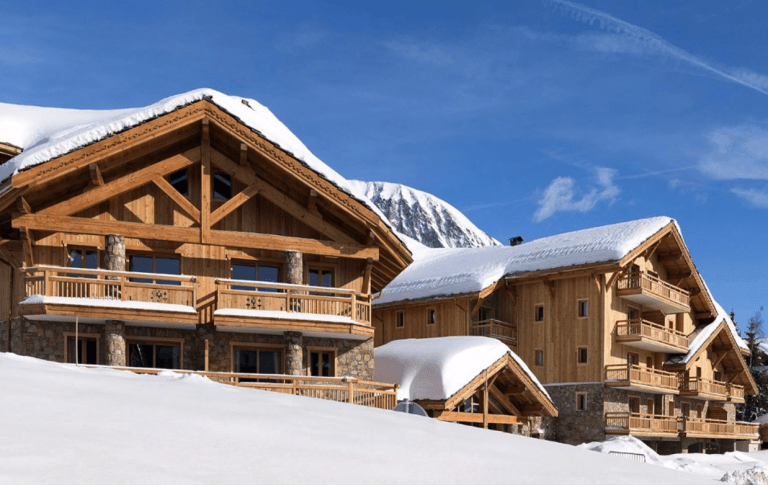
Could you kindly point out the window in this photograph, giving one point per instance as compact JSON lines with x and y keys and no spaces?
{"x":322,"y":363}
{"x":430,"y":316}
{"x":84,"y":258}
{"x":158,"y":355}
{"x":686,"y":409}
{"x":581,"y":401}
{"x":400,"y":320}
{"x":222,"y":186}
{"x":269,"y":273}
{"x":634,"y":404}
{"x":320,"y":277}
{"x":87,"y":350}
{"x":582,"y":355}
{"x":539,"y":358}
{"x":583,"y":308}
{"x":180,"y":181}
{"x":484,"y":314}
{"x":258,"y":360}
{"x":699,"y":411}
{"x":649,"y":362}
{"x":717,"y":376}
{"x":538,"y":313}
{"x":633,"y":314}
{"x":633,"y":359}
{"x":154,"y":264}
{"x":649,"y":406}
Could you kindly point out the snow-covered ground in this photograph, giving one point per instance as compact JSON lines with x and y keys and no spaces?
{"x":65,"y":424}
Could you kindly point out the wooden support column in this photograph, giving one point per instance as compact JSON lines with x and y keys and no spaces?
{"x":294,"y":353}
{"x":294,"y":268}
{"x":367,"y":277}
{"x":206,"y":355}
{"x":28,"y":241}
{"x":485,"y":401}
{"x":205,"y":184}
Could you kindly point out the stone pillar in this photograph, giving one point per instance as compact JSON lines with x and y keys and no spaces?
{"x":294,"y":268}
{"x":294,"y":354}
{"x":114,"y":331}
{"x":115,"y":252}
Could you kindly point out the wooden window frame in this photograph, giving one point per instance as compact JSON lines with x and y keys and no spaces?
{"x":635,"y":360}
{"x":154,"y":256}
{"x":321,"y":267}
{"x":82,"y":249}
{"x":636,"y":399}
{"x":581,"y":401}
{"x":582,"y":304}
{"x":68,"y":335}
{"x":255,"y":346}
{"x":256,"y":263}
{"x":189,"y":188}
{"x":399,"y":319}
{"x":536,"y":354}
{"x":154,"y":341}
{"x":650,"y":406}
{"x":431,"y":316}
{"x":579,"y":355}
{"x":311,"y":350}
{"x":536,"y":312}
{"x":221,"y":200}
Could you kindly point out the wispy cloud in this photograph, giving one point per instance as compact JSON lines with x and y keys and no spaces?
{"x":757,"y":198}
{"x":737,"y":152}
{"x":635,"y":39}
{"x":430,"y":53}
{"x":561,"y":195}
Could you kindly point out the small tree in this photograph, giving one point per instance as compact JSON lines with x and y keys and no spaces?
{"x":754,"y":334}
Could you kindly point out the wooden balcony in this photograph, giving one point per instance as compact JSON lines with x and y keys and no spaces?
{"x":634,"y":377}
{"x":650,"y":336}
{"x":715,"y":428}
{"x":636,"y":424}
{"x":700,"y":388}
{"x":94,"y":296}
{"x":503,"y":331}
{"x":735,"y":393}
{"x":278,"y":307}
{"x":340,"y":389}
{"x":651,"y":292}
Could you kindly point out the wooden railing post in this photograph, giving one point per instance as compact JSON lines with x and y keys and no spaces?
{"x":351,"y":390}
{"x":46,"y":283}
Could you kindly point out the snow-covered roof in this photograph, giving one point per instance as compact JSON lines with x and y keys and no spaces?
{"x":437,"y":368}
{"x":439,"y":272}
{"x":46,"y":133}
{"x":705,"y":333}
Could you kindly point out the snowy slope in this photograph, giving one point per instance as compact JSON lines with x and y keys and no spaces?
{"x":438,"y":272}
{"x":62,"y":424}
{"x":422,"y":216}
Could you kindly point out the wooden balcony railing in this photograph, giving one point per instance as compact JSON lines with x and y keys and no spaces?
{"x":634,"y":376}
{"x":716,"y":428}
{"x":641,"y":424}
{"x":97,"y":284}
{"x":735,"y":393}
{"x":259,"y":295}
{"x":506,"y":332}
{"x":654,"y":285}
{"x":700,"y":387}
{"x":643,"y":330}
{"x":340,"y":389}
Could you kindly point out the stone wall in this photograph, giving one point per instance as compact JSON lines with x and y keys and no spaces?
{"x":573,"y":426}
{"x":4,"y":341}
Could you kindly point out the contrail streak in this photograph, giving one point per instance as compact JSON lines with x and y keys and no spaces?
{"x":608,"y":22}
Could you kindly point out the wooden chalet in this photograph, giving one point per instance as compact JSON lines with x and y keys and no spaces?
{"x":469,"y":380}
{"x":615,"y":321}
{"x":196,"y":233}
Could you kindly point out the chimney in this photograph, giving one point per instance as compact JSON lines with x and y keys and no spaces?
{"x":516,"y":241}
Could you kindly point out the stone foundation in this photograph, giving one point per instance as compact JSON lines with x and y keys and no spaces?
{"x":47,"y":340}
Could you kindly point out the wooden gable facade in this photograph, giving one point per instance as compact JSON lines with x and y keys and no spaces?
{"x":191,"y":241}
{"x":602,"y":337}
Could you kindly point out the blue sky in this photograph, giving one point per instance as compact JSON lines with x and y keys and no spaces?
{"x":532,"y":117}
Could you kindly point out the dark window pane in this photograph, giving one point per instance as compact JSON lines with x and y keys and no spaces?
{"x":326,"y":364}
{"x":90,"y":351}
{"x":246,"y":361}
{"x":72,"y":354}
{"x":222,"y":186}
{"x":91,"y":260}
{"x":180,"y":181}
{"x":243,"y":272}
{"x":327,"y":279}
{"x":167,"y":356}
{"x":140,"y":355}
{"x":314,"y":277}
{"x":269,"y":362}
{"x":76,"y":259}
{"x":168,"y":266}
{"x":268,"y":273}
{"x":314,"y":364}
{"x":140,"y":264}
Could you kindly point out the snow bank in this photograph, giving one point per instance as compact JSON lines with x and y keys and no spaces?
{"x":47,"y":133}
{"x":63,"y":424}
{"x":757,"y":475}
{"x":437,"y":272}
{"x":437,"y":368}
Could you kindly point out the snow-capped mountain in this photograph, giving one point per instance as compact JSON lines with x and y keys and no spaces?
{"x":423,"y":217}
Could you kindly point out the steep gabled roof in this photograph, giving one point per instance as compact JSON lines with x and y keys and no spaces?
{"x":445,"y":272}
{"x":47,"y":133}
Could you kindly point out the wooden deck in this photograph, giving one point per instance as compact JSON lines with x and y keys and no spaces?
{"x":650,"y":291}
{"x":630,"y":376}
{"x":340,"y":389}
{"x":700,"y":388}
{"x":637,"y":424}
{"x":715,"y":428}
{"x":503,"y":331}
{"x":650,"y":336}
